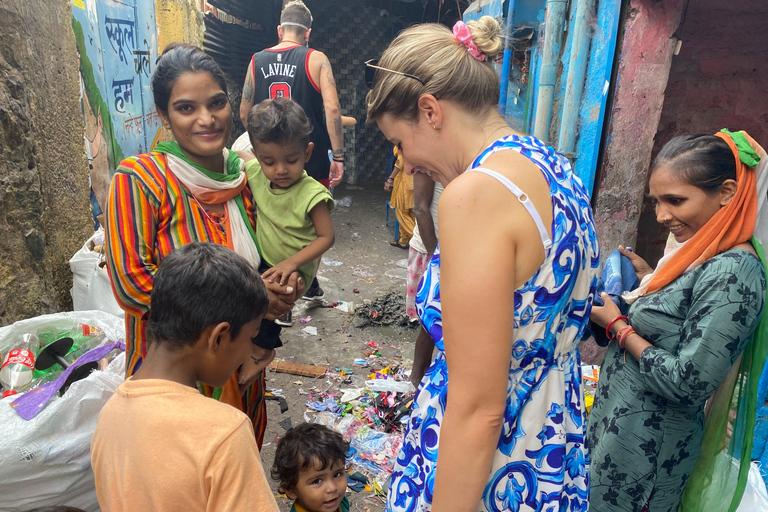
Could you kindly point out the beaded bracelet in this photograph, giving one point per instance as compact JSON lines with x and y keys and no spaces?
{"x":608,"y":327}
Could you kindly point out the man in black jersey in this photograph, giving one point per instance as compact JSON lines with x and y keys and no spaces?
{"x":293,"y":70}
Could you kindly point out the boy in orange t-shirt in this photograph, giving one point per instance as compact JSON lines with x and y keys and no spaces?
{"x":161,"y":445}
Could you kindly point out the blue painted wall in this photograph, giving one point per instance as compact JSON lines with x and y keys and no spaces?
{"x":521,"y":98}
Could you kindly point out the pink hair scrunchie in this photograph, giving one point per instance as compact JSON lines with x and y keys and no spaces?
{"x":464,"y":36}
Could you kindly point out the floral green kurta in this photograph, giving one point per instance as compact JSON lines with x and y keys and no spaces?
{"x":646,"y":424}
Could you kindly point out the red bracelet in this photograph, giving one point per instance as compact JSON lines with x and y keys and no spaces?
{"x":624,"y":334}
{"x":608,"y":327}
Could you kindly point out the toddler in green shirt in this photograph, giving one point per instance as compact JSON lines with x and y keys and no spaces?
{"x":293,"y":226}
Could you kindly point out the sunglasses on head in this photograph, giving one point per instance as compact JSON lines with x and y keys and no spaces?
{"x":370,"y":72}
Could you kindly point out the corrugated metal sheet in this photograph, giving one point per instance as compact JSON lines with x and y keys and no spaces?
{"x":232,"y":46}
{"x":265,"y":12}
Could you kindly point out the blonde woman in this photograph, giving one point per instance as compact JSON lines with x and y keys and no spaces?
{"x":506,"y":295}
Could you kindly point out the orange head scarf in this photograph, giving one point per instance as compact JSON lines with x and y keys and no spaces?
{"x":732,"y":225}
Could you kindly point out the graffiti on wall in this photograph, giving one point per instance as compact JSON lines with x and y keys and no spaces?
{"x":117,"y":47}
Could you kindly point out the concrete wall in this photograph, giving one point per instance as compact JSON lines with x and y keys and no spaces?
{"x":44,"y":208}
{"x":178,"y":20}
{"x":717,"y":81}
{"x":647,"y":45}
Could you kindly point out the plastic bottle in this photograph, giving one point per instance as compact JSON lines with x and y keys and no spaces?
{"x":18,"y":366}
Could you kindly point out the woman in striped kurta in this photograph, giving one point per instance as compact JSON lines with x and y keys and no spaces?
{"x":152,"y":209}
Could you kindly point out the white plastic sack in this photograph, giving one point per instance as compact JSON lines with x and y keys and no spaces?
{"x":755,"y":497}
{"x":90,"y":283}
{"x":47,"y":461}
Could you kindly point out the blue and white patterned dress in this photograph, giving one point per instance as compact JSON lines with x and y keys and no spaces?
{"x":540,"y":462}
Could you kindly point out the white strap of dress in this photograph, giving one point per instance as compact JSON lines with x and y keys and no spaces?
{"x":524,"y":200}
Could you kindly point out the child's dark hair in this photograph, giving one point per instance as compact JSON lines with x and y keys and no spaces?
{"x":280,"y":120}
{"x":177,"y":59}
{"x":704,"y":161}
{"x":201,"y":284}
{"x":302,"y":447}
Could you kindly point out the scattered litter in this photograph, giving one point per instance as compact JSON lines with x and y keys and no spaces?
{"x":298,"y":382}
{"x":328,"y":305}
{"x":302,"y":392}
{"x":344,"y":202}
{"x":331,"y":263}
{"x":386,"y":310}
{"x":275,"y":392}
{"x":397,"y":273}
{"x":402,"y":263}
{"x":355,"y":290}
{"x":372,"y":344}
{"x":305,"y":320}
{"x":361,"y":362}
{"x":329,"y":405}
{"x":345,"y":371}
{"x":305,"y":370}
{"x":350,"y":394}
{"x":390,"y":385}
{"x":346,"y":307}
{"x":312,"y":331}
{"x":280,"y":400}
{"x":363,"y":272}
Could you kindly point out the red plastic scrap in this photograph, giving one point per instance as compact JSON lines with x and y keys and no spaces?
{"x":373,"y":344}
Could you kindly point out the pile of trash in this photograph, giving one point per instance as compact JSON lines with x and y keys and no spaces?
{"x":56,"y":350}
{"x":370,"y":412}
{"x":386,"y":310}
{"x":58,"y":371}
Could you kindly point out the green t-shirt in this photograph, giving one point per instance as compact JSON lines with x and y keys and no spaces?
{"x":283,"y":226}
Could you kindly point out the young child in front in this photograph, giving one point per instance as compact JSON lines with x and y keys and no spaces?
{"x":161,"y":445}
{"x":309,"y":464}
{"x":294,"y":226}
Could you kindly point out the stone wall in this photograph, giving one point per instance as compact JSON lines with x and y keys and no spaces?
{"x":44,"y":208}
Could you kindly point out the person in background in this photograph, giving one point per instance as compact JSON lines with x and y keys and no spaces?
{"x":291,"y":69}
{"x":426,"y":194}
{"x":401,"y":185}
{"x":189,"y":190}
{"x":688,"y":323}
{"x":159,"y":444}
{"x":497,"y":421}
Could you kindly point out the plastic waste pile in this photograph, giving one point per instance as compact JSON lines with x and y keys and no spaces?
{"x":44,"y":352}
{"x":371,"y":415}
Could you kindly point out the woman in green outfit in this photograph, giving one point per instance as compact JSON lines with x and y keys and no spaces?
{"x":687,"y":325}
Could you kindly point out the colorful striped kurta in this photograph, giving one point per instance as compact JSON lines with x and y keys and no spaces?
{"x":149,"y":214}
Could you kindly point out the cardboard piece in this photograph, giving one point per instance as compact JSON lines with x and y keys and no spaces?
{"x":305,"y":370}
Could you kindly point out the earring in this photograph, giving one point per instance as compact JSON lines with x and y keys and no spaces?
{"x":437,"y":130}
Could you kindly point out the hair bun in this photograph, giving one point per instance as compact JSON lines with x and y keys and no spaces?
{"x":487,"y":35}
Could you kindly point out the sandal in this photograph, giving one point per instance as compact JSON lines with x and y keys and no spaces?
{"x":396,"y":243}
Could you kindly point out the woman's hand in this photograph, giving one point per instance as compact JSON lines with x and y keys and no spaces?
{"x":251,"y":369}
{"x":283,"y":297}
{"x":603,"y":315}
{"x":388,"y":185}
{"x":642,"y":268}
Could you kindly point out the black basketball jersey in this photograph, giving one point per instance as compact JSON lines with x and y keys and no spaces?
{"x":285,"y":72}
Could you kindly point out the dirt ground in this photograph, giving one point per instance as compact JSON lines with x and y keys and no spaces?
{"x":370,"y":265}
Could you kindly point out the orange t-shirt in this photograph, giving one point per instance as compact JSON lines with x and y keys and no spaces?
{"x":160,"y":445}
